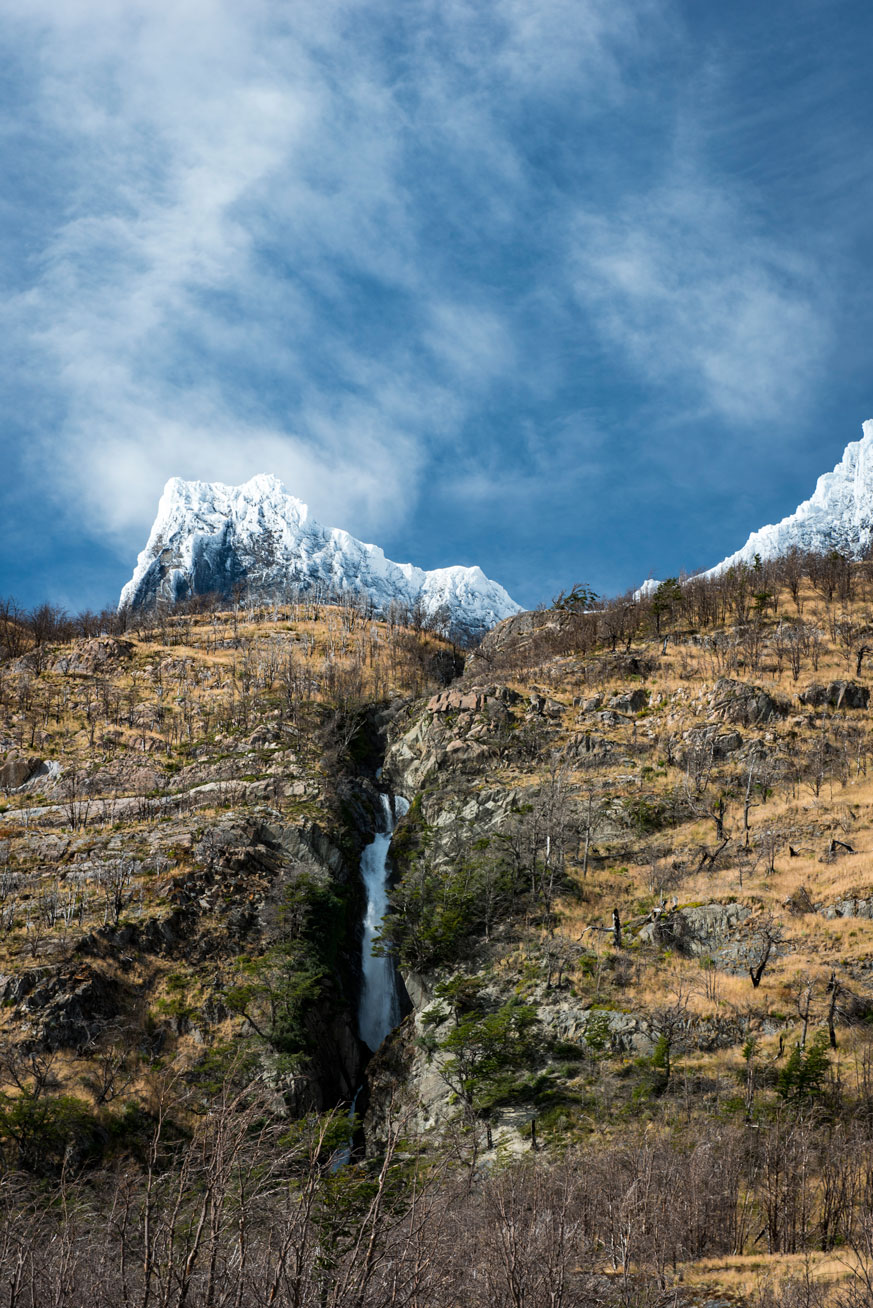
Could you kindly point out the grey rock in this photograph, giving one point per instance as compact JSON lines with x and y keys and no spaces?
{"x":628,"y":1034}
{"x":70,"y":1005}
{"x":849,"y":907}
{"x":695,"y":932}
{"x":18,"y":770}
{"x":89,"y":656}
{"x":632,"y":702}
{"x":742,"y":703}
{"x":609,"y":718}
{"x":722,"y":743}
{"x":836,"y":694}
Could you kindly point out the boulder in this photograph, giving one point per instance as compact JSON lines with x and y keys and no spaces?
{"x":739,"y":702}
{"x":722,"y":743}
{"x":20,"y":769}
{"x":633,"y":701}
{"x":836,"y":694}
{"x":473,"y":700}
{"x":68,"y":1006}
{"x":591,"y":705}
{"x":695,"y":931}
{"x":587,"y":743}
{"x":542,"y":704}
{"x":626,"y":1032}
{"x":855,"y":906}
{"x":90,"y":656}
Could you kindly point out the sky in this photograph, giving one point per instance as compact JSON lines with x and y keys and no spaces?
{"x":577,"y":290}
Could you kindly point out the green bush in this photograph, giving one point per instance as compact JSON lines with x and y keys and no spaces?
{"x":647,"y":813}
{"x":41,"y":1133}
{"x":486,"y":1052}
{"x":805,"y":1072}
{"x":278,"y":988}
{"x":436,"y":911}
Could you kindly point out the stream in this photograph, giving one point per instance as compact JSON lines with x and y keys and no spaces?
{"x":379,"y":1009}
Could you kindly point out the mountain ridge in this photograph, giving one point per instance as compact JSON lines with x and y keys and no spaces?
{"x":210,"y":537}
{"x":838,"y":514}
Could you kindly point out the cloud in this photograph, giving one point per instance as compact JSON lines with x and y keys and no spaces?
{"x":240,"y":273}
{"x":389,"y":253}
{"x":701,"y":301}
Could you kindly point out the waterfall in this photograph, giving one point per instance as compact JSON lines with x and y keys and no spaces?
{"x":379,"y":1010}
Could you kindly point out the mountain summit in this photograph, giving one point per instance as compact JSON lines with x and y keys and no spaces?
{"x":838,"y":515}
{"x":208,"y":537}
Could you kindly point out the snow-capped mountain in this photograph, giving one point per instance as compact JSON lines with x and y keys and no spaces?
{"x":838,"y":514}
{"x":213,"y":538}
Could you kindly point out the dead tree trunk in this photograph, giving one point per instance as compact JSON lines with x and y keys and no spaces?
{"x":834,"y":988}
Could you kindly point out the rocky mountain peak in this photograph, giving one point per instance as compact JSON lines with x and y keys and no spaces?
{"x":208,"y":537}
{"x":838,"y":514}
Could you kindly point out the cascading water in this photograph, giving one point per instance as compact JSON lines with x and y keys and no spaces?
{"x":379,"y":1010}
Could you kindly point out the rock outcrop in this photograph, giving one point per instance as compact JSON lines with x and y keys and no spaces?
{"x":744,"y":704}
{"x":836,"y":694}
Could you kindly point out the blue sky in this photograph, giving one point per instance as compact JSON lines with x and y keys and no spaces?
{"x":573,"y":289}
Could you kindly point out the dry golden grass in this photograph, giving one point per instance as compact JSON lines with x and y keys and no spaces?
{"x":742,"y":1276}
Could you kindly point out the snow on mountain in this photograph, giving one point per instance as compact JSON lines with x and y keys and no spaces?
{"x":838,"y":514}
{"x":208,"y":537}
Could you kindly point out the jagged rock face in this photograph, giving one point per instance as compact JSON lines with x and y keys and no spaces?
{"x":696,"y":931}
{"x":213,"y":538}
{"x":838,"y":514}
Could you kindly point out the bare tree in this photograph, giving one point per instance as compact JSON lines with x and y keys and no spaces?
{"x":770,"y":937}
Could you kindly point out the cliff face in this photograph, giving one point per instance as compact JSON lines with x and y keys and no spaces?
{"x":258,"y":540}
{"x":588,"y":837}
{"x":180,"y":848}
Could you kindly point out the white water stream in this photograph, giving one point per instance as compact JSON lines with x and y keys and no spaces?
{"x":379,"y":1010}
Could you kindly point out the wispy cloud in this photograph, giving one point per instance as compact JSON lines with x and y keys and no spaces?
{"x":237,"y":176}
{"x":391,"y":253}
{"x":684,"y":282}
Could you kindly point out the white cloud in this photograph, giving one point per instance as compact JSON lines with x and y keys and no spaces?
{"x":261,"y":154}
{"x":239,"y":176}
{"x":682,"y":280}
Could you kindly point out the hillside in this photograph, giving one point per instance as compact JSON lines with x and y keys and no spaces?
{"x":633,"y":912}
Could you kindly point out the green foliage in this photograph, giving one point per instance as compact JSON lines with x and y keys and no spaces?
{"x":411,"y":835}
{"x":647,"y":813}
{"x":805,"y":1072}
{"x":485,"y":1050}
{"x":178,"y":1002}
{"x":462,"y":993}
{"x":598,"y":1032}
{"x":225,"y":1063}
{"x":666,"y":600}
{"x":279,"y":987}
{"x":435,"y":911}
{"x":41,"y":1132}
{"x":660,"y":1058}
{"x":579,"y":600}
